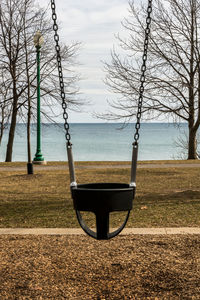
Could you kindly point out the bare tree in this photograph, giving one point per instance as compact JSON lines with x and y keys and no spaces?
{"x":19,"y":20}
{"x":172,"y":85}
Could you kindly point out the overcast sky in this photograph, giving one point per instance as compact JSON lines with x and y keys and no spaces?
{"x":94,"y":23}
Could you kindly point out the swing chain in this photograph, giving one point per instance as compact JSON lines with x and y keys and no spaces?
{"x":143,"y":69}
{"x":60,"y":72}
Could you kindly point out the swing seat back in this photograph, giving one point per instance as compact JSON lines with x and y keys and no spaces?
{"x":109,"y":196}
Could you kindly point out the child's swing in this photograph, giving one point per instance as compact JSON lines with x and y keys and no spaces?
{"x":102,"y":198}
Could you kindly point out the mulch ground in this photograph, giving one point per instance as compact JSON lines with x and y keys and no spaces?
{"x":78,"y":267}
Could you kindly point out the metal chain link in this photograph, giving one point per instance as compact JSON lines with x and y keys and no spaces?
{"x":60,"y":72}
{"x":143,"y":70}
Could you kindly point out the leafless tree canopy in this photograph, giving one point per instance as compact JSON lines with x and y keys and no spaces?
{"x":19,"y":21}
{"x":172,"y":88}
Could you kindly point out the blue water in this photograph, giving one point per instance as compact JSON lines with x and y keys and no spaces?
{"x":96,"y":142}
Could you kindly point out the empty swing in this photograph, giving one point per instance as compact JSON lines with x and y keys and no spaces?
{"x":102,"y":198}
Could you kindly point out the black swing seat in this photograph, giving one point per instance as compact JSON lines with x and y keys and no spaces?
{"x":101,"y":199}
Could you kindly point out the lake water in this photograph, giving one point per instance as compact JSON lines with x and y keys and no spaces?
{"x":98,"y":142}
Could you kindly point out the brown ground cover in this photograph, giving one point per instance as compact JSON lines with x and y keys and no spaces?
{"x":78,"y":267}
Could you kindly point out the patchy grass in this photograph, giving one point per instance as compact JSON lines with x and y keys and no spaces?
{"x":165,"y":197}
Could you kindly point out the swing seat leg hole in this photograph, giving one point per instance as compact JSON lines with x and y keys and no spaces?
{"x":117,"y":218}
{"x":89,"y":219}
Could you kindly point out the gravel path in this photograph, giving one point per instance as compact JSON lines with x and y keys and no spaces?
{"x":140,"y":166}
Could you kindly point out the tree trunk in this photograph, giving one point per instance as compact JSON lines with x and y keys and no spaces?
{"x":192,"y":144}
{"x":1,"y":125}
{"x":11,"y":134}
{"x":14,"y":116}
{"x":13,"y":123}
{"x":1,"y":133}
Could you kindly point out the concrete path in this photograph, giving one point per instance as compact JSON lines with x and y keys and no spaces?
{"x":79,"y":231}
{"x":96,"y":166}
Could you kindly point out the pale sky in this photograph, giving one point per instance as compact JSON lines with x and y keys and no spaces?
{"x":93,"y":23}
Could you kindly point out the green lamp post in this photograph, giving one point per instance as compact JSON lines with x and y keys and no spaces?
{"x":38,"y":41}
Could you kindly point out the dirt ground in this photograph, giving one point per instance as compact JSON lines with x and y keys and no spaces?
{"x":78,"y":267}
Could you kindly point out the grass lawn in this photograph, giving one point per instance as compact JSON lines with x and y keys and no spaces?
{"x":165,"y":196}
